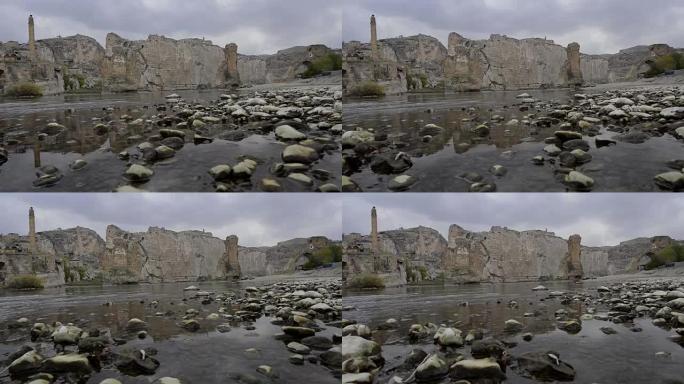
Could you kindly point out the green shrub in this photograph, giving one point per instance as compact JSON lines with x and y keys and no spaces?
{"x":670,"y":254}
{"x":329,"y":62}
{"x":25,"y":90}
{"x":368,"y":88}
{"x":25,"y":282}
{"x":330,"y":254}
{"x":366,"y":280}
{"x":665,"y":63}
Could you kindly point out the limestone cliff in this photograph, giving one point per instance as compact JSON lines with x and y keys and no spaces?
{"x":497,"y":255}
{"x":283,"y":66}
{"x":78,"y":250}
{"x":283,"y":258}
{"x":160,"y":63}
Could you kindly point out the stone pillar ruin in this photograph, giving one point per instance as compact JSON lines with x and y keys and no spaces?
{"x":574,"y":64}
{"x":574,"y":257}
{"x":374,"y":37}
{"x":32,"y":37}
{"x":231,"y":257}
{"x":32,"y":231}
{"x":232,"y":63}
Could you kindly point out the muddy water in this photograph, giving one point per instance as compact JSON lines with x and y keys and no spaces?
{"x":625,"y":357}
{"x":205,"y":356}
{"x":439,"y":163}
{"x":22,"y":120}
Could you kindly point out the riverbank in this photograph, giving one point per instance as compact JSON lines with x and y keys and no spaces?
{"x":603,"y":330}
{"x":618,"y":137}
{"x":248,"y":332}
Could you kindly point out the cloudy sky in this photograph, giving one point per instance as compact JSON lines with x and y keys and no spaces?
{"x":600,"y":26}
{"x":601,"y":219}
{"x":257,"y":26}
{"x":257,"y":219}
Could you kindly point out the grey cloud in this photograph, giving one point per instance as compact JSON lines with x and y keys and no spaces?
{"x":257,"y":26}
{"x":600,"y":26}
{"x":601,"y":219}
{"x":257,"y":219}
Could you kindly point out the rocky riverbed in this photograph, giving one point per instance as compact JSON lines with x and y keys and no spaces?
{"x":280,"y":139}
{"x":285,"y":331}
{"x":587,"y":332}
{"x":615,"y":139}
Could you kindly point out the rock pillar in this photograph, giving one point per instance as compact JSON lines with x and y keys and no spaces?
{"x":232,"y":261}
{"x":454,"y":41}
{"x":32,"y":37}
{"x":374,"y":37}
{"x":32,"y":231}
{"x":574,"y":68}
{"x":232,"y":63}
{"x":574,"y":257}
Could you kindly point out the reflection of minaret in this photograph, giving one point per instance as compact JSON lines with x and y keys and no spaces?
{"x":32,"y":37}
{"x":32,"y":232}
{"x":374,"y":37}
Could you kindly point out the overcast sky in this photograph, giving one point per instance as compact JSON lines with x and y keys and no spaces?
{"x":599,"y":26}
{"x":601,"y":219}
{"x":257,"y":219}
{"x":257,"y":26}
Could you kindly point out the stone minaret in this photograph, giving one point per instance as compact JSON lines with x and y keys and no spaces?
{"x":32,"y":231}
{"x":574,"y":257}
{"x":574,"y":64}
{"x":232,"y":261}
{"x":374,"y":37}
{"x":32,"y":37}
{"x":232,"y":61}
{"x":374,"y":231}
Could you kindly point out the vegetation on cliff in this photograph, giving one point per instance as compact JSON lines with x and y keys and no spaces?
{"x":365,"y":281}
{"x":329,"y":62}
{"x":25,"y":282}
{"x":671,"y":254}
{"x":367,"y":88}
{"x":25,"y":90}
{"x":665,"y":63}
{"x":331,"y":254}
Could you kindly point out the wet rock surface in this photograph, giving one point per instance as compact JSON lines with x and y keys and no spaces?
{"x":287,"y":331}
{"x":160,"y":142}
{"x":607,"y":139}
{"x":518,"y":332}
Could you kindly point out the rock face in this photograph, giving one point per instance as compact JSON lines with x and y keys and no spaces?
{"x":497,"y":63}
{"x":162,"y":63}
{"x":158,"y":63}
{"x":283,"y":66}
{"x":157,"y":255}
{"x":285,"y":257}
{"x":160,"y":255}
{"x":498,"y":255}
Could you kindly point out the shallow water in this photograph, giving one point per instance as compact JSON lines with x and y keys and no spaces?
{"x":205,"y":356}
{"x":626,"y":357}
{"x":437,"y":164}
{"x":185,"y":172}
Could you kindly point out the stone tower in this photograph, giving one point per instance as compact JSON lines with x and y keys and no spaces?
{"x":374,"y":232}
{"x":32,"y":37}
{"x":574,"y":64}
{"x":374,"y":37}
{"x":232,"y":61}
{"x":32,"y":231}
{"x":232,"y":261}
{"x":574,"y":257}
